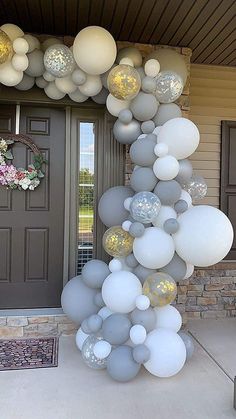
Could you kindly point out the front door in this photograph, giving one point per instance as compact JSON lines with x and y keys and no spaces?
{"x":32,"y":222}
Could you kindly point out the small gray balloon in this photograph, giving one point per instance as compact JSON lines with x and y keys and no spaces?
{"x":121,"y":365}
{"x":136,"y":229}
{"x":185,"y":171}
{"x":111,"y":208}
{"x":126,"y":133}
{"x":165,"y":112}
{"x":94,"y":273}
{"x":147,"y":127}
{"x":171,"y":226}
{"x":148,"y":84}
{"x":26,"y":83}
{"x":77,"y":300}
{"x":144,"y":106}
{"x":142,"y":151}
{"x":147,"y":318}
{"x":125,"y":116}
{"x":141,"y":354}
{"x":101,"y":97}
{"x":94,"y":323}
{"x":168,"y":191}
{"x":176,"y":268}
{"x":131,"y":261}
{"x":141,"y":272}
{"x":181,"y":206}
{"x":98,"y":300}
{"x":116,"y":328}
{"x":36,"y":65}
{"x":143,"y":179}
{"x":188,"y":341}
{"x":85,"y":327}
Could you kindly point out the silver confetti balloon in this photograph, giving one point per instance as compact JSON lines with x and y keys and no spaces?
{"x":88,"y":355}
{"x":196,"y":186}
{"x":59,"y":60}
{"x":169,"y":86}
{"x":145,"y":207}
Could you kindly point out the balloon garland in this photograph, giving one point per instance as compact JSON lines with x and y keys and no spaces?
{"x":155,"y":234}
{"x":19,"y":178}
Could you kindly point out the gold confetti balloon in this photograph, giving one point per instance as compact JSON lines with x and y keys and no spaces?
{"x":5,"y":47}
{"x":124,"y":82}
{"x":160,"y":288}
{"x":117,"y":242}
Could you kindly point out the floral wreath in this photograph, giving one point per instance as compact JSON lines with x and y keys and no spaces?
{"x":20,"y":178}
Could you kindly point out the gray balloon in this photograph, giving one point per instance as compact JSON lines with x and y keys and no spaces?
{"x":131,"y":261}
{"x":101,"y":97}
{"x":26,"y":83}
{"x":77,"y":300}
{"x":171,"y":226}
{"x":144,"y":106}
{"x":181,"y":206}
{"x":141,"y":72}
{"x":141,"y":354}
{"x":185,"y":171}
{"x":116,"y":328}
{"x":148,"y":84}
{"x":142,"y":151}
{"x":165,"y":112}
{"x":147,"y":318}
{"x":121,"y":365}
{"x":136,"y":229}
{"x":141,"y":272}
{"x":94,"y":273}
{"x":147,"y":127}
{"x":84,"y":326}
{"x":36,"y":65}
{"x":105,"y":75}
{"x":111,"y":208}
{"x":143,"y":179}
{"x":94,"y":323}
{"x":126,"y":133}
{"x":79,"y":77}
{"x":168,"y":191}
{"x":98,"y":300}
{"x":176,"y":268}
{"x":125,"y":116}
{"x":188,"y":341}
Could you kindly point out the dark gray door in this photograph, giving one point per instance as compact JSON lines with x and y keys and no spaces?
{"x":32,"y":223}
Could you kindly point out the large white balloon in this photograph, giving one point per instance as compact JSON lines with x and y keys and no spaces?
{"x":166,"y":168}
{"x":181,"y":135}
{"x":205,"y":235}
{"x":168,"y":353}
{"x":9,"y":76}
{"x":120,"y":290}
{"x":154,"y":249}
{"x":165,"y":213}
{"x":92,"y":86}
{"x":114,"y":105}
{"x":168,"y":317}
{"x":94,"y":50}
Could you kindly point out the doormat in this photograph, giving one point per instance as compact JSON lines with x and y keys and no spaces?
{"x":20,"y":354}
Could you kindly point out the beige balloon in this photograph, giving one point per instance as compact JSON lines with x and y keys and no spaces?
{"x":130,"y":52}
{"x":9,"y":76}
{"x":13,"y":31}
{"x":171,"y":60}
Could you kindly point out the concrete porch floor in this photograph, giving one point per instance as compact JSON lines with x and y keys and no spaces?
{"x":202,"y":390}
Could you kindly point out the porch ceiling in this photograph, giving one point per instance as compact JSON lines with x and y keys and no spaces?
{"x":208,"y":27}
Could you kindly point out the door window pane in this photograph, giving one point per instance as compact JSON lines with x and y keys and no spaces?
{"x":86,"y":194}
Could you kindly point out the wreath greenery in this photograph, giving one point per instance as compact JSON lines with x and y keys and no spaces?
{"x":20,"y":178}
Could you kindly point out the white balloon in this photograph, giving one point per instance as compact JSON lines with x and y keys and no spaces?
{"x":156,"y":131}
{"x":77,"y":96}
{"x":164,"y":214}
{"x":126,"y":225}
{"x":92,"y":86}
{"x":189,"y":271}
{"x":205,"y":235}
{"x":138,"y":334}
{"x":49,"y":42}
{"x":94,"y":50}
{"x":9,"y":76}
{"x":154,"y":249}
{"x":126,"y":61}
{"x":168,"y":353}
{"x":168,"y":317}
{"x":53,"y":92}
{"x":142,"y":302}
{"x":32,"y":41}
{"x":186,"y":197}
{"x":13,"y":31}
{"x":65,"y":84}
{"x":161,"y":149}
{"x":105,"y":312}
{"x":41,"y":82}
{"x":152,"y":67}
{"x":20,"y":62}
{"x":127,"y":202}
{"x":80,"y":338}
{"x":181,"y":135}
{"x":102,"y":349}
{"x":114,"y":106}
{"x":20,"y":46}
{"x":115,"y":265}
{"x":48,"y":77}
{"x":120,"y":290}
{"x":166,"y":168}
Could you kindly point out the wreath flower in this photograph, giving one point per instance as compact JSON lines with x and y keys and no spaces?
{"x":20,"y":178}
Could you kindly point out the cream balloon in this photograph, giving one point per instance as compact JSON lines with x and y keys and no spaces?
{"x":132,"y":53}
{"x":92,"y":86}
{"x":20,"y":46}
{"x":32,"y":42}
{"x":20,"y":62}
{"x":170,"y":60}
{"x":49,"y":42}
{"x":65,"y":84}
{"x":114,"y":106}
{"x":78,"y":97}
{"x":13,"y":31}
{"x":9,"y":76}
{"x":48,"y":77}
{"x":53,"y":92}
{"x":94,"y":50}
{"x":152,"y":67}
